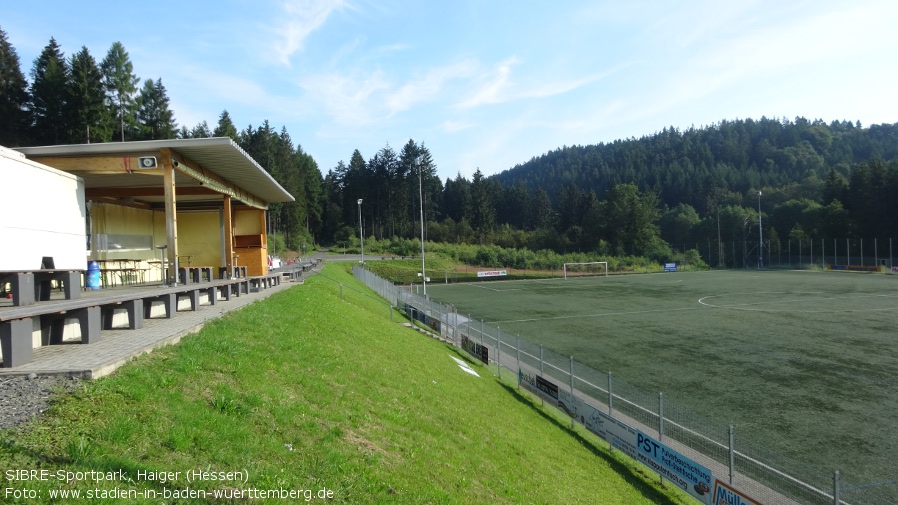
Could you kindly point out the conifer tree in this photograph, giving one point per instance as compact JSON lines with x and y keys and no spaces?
{"x":13,"y":97}
{"x":90,"y":119}
{"x":121,"y":86}
{"x":49,"y":96}
{"x":225,"y":127}
{"x":156,"y":121}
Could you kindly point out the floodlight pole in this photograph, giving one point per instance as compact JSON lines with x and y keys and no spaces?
{"x":361,"y":234}
{"x":760,"y":236}
{"x":421,"y":197}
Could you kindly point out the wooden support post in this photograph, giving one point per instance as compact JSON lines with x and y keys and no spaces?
{"x":171,"y":218}
{"x":229,"y":236}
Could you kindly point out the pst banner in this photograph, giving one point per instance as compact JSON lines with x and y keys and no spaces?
{"x":692,"y":477}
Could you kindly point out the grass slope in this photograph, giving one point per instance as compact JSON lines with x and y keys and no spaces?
{"x":305,"y":392}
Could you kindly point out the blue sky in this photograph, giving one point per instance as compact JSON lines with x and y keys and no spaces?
{"x":481,"y":83}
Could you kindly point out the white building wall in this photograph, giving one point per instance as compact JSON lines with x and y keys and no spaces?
{"x":43,"y":215}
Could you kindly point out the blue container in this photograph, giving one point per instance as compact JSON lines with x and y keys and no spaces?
{"x":93,"y":275}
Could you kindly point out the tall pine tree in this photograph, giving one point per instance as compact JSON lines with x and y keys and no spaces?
{"x":90,"y":119}
{"x":49,"y":96}
{"x":13,"y":97}
{"x":121,"y":86}
{"x":156,"y":121}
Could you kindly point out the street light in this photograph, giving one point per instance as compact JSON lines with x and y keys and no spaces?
{"x":361,"y":236}
{"x":760,"y":236}
{"x":421,"y":197}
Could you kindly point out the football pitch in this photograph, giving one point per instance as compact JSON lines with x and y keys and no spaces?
{"x":803,"y":363}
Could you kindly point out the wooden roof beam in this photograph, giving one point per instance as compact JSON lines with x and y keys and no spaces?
{"x":211,"y":180}
{"x":146,"y":191}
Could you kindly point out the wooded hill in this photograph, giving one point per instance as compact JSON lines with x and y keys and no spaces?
{"x":689,"y":166}
{"x":817,"y":180}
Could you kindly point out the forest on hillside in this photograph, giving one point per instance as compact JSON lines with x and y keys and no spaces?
{"x":654,"y":197}
{"x":804,"y":180}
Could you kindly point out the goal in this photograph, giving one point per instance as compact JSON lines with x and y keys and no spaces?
{"x":586,"y":269}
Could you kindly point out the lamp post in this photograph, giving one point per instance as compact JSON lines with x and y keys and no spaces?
{"x":760,"y":236}
{"x":421,"y":198}
{"x":361,"y":235}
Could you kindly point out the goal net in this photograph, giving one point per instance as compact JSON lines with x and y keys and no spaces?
{"x":585,"y":269}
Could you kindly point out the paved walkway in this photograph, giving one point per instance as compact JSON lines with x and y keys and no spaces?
{"x":118,"y":346}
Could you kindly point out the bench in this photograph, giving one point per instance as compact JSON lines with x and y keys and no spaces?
{"x":260,"y":282}
{"x":96,"y":313}
{"x":194,"y":274}
{"x":235,"y":273}
{"x":28,"y":286}
{"x":291,"y":274}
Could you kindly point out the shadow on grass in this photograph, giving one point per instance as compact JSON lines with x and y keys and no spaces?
{"x":627,"y":472}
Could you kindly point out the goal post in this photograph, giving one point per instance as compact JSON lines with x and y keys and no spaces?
{"x":586,"y":269}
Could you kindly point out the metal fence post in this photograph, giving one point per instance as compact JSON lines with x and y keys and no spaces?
{"x":541,"y":402}
{"x":572,"y":388}
{"x":341,"y":292}
{"x":732,"y":452}
{"x":660,"y":416}
{"x":517,"y":345}
{"x":837,"y":488}
{"x":499,"y":351}
{"x":610,"y":396}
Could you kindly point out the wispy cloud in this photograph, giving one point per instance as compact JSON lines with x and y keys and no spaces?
{"x":492,"y":91}
{"x":500,"y":88}
{"x":427,"y":87}
{"x":302,"y":18}
{"x":455,"y":126}
{"x":348,"y":99}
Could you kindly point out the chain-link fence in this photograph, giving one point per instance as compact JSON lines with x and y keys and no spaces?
{"x":756,"y":471}
{"x":839,"y":253}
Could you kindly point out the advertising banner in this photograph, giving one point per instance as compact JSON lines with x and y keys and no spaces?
{"x":477,"y":350}
{"x":418,"y":315}
{"x":725,"y":495}
{"x":616,"y":433}
{"x":670,"y":267}
{"x":492,"y":273}
{"x":546,"y":390}
{"x":686,"y":474}
{"x":690,"y":476}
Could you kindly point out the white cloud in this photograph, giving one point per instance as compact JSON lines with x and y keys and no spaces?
{"x":303,"y":17}
{"x":348,"y":99}
{"x":427,"y":87}
{"x":455,"y":126}
{"x":494,"y":90}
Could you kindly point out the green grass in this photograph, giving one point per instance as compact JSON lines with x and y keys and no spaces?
{"x":801,"y":362}
{"x":305,"y":391}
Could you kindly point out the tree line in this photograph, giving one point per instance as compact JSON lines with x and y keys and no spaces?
{"x":79,"y":100}
{"x":631,"y":197}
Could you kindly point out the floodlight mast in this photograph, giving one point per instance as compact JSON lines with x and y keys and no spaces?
{"x":421,"y":198}
{"x":361,"y":234}
{"x":760,"y":236}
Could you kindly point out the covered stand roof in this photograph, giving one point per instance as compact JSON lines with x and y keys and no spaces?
{"x":205,"y":169}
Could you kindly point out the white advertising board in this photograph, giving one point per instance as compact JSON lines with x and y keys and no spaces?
{"x":492,"y":273}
